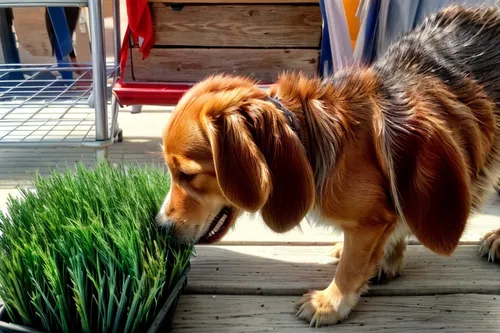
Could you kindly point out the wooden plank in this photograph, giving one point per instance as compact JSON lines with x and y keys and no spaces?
{"x":31,"y":31}
{"x":191,"y":65}
{"x":444,"y":313}
{"x":128,"y":70}
{"x":142,"y":144}
{"x":276,"y":26}
{"x":293,"y":270}
{"x":251,"y":230}
{"x":235,"y":1}
{"x":248,"y":226}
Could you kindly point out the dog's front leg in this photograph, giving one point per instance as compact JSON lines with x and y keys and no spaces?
{"x":363,"y":251}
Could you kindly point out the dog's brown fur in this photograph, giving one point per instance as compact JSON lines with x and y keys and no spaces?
{"x":404,"y":144}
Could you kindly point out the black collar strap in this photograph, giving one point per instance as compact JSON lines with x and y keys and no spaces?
{"x":292,"y":119}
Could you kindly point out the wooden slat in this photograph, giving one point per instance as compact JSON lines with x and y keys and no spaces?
{"x":142,"y":144}
{"x":246,"y":227}
{"x":238,"y":26}
{"x":293,"y":270}
{"x":31,"y":31}
{"x":234,"y":1}
{"x":445,"y":313}
{"x":191,"y":65}
{"x":128,"y":70}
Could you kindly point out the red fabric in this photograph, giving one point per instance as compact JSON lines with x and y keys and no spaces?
{"x":140,"y":25}
{"x":124,"y":52}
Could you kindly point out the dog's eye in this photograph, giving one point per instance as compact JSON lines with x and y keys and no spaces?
{"x":186,"y":177}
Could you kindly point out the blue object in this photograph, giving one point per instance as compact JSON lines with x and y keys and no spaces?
{"x":63,"y":40}
{"x":325,"y":57}
{"x":384,"y":26}
{"x":370,"y":46}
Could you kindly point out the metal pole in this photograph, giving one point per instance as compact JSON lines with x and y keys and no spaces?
{"x":117,"y":35}
{"x":98,"y":69}
{"x":99,"y":75}
{"x":116,"y":48}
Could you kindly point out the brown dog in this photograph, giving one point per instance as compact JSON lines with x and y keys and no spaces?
{"x":408,"y":145}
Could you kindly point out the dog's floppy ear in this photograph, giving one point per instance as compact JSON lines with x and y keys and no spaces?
{"x":434,"y":187}
{"x":293,"y":191}
{"x":259,"y":161}
{"x":241,"y":170}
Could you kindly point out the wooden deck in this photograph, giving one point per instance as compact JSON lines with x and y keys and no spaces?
{"x":250,"y":282}
{"x":254,"y":289}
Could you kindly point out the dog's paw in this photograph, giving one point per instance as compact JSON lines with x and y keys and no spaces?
{"x":323,"y":307}
{"x":497,"y":186}
{"x":490,"y":245}
{"x":336,"y":250}
{"x":389,"y":270}
{"x":393,"y":263}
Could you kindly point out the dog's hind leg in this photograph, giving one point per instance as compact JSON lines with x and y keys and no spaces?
{"x":394,"y":261}
{"x":336,"y":251}
{"x":497,"y":186}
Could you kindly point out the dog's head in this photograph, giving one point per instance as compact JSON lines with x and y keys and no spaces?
{"x":230,"y":150}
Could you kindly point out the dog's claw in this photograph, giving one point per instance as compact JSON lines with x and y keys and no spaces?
{"x":300,"y":310}
{"x":318,"y":309}
{"x":483,"y":249}
{"x":313,"y":321}
{"x":489,"y":246}
{"x":491,"y":256}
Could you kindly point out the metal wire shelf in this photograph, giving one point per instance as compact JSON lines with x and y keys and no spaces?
{"x":43,"y":3}
{"x":40,"y":108}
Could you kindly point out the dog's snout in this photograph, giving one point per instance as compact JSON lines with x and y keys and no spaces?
{"x":165,"y":211}
{"x":169,"y":210}
{"x":162,"y":219}
{"x":167,"y":207}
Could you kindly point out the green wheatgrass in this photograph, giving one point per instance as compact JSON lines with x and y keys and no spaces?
{"x":84,"y":253}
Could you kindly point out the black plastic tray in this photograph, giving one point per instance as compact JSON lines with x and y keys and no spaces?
{"x":162,"y":322}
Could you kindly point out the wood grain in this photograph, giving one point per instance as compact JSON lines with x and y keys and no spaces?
{"x":190,"y":65}
{"x":251,"y":230}
{"x":293,"y":270}
{"x":31,"y":31}
{"x":238,"y":25}
{"x":129,"y":68}
{"x":142,"y":144}
{"x":444,"y":313}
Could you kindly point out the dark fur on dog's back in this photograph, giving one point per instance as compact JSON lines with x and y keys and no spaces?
{"x":443,"y":77}
{"x":452,"y":44}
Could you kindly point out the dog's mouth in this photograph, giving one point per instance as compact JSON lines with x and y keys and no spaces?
{"x":219,"y":226}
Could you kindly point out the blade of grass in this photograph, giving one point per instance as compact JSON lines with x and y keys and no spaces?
{"x":88,"y":237}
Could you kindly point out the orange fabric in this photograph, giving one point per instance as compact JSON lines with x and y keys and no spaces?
{"x":351,"y":6}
